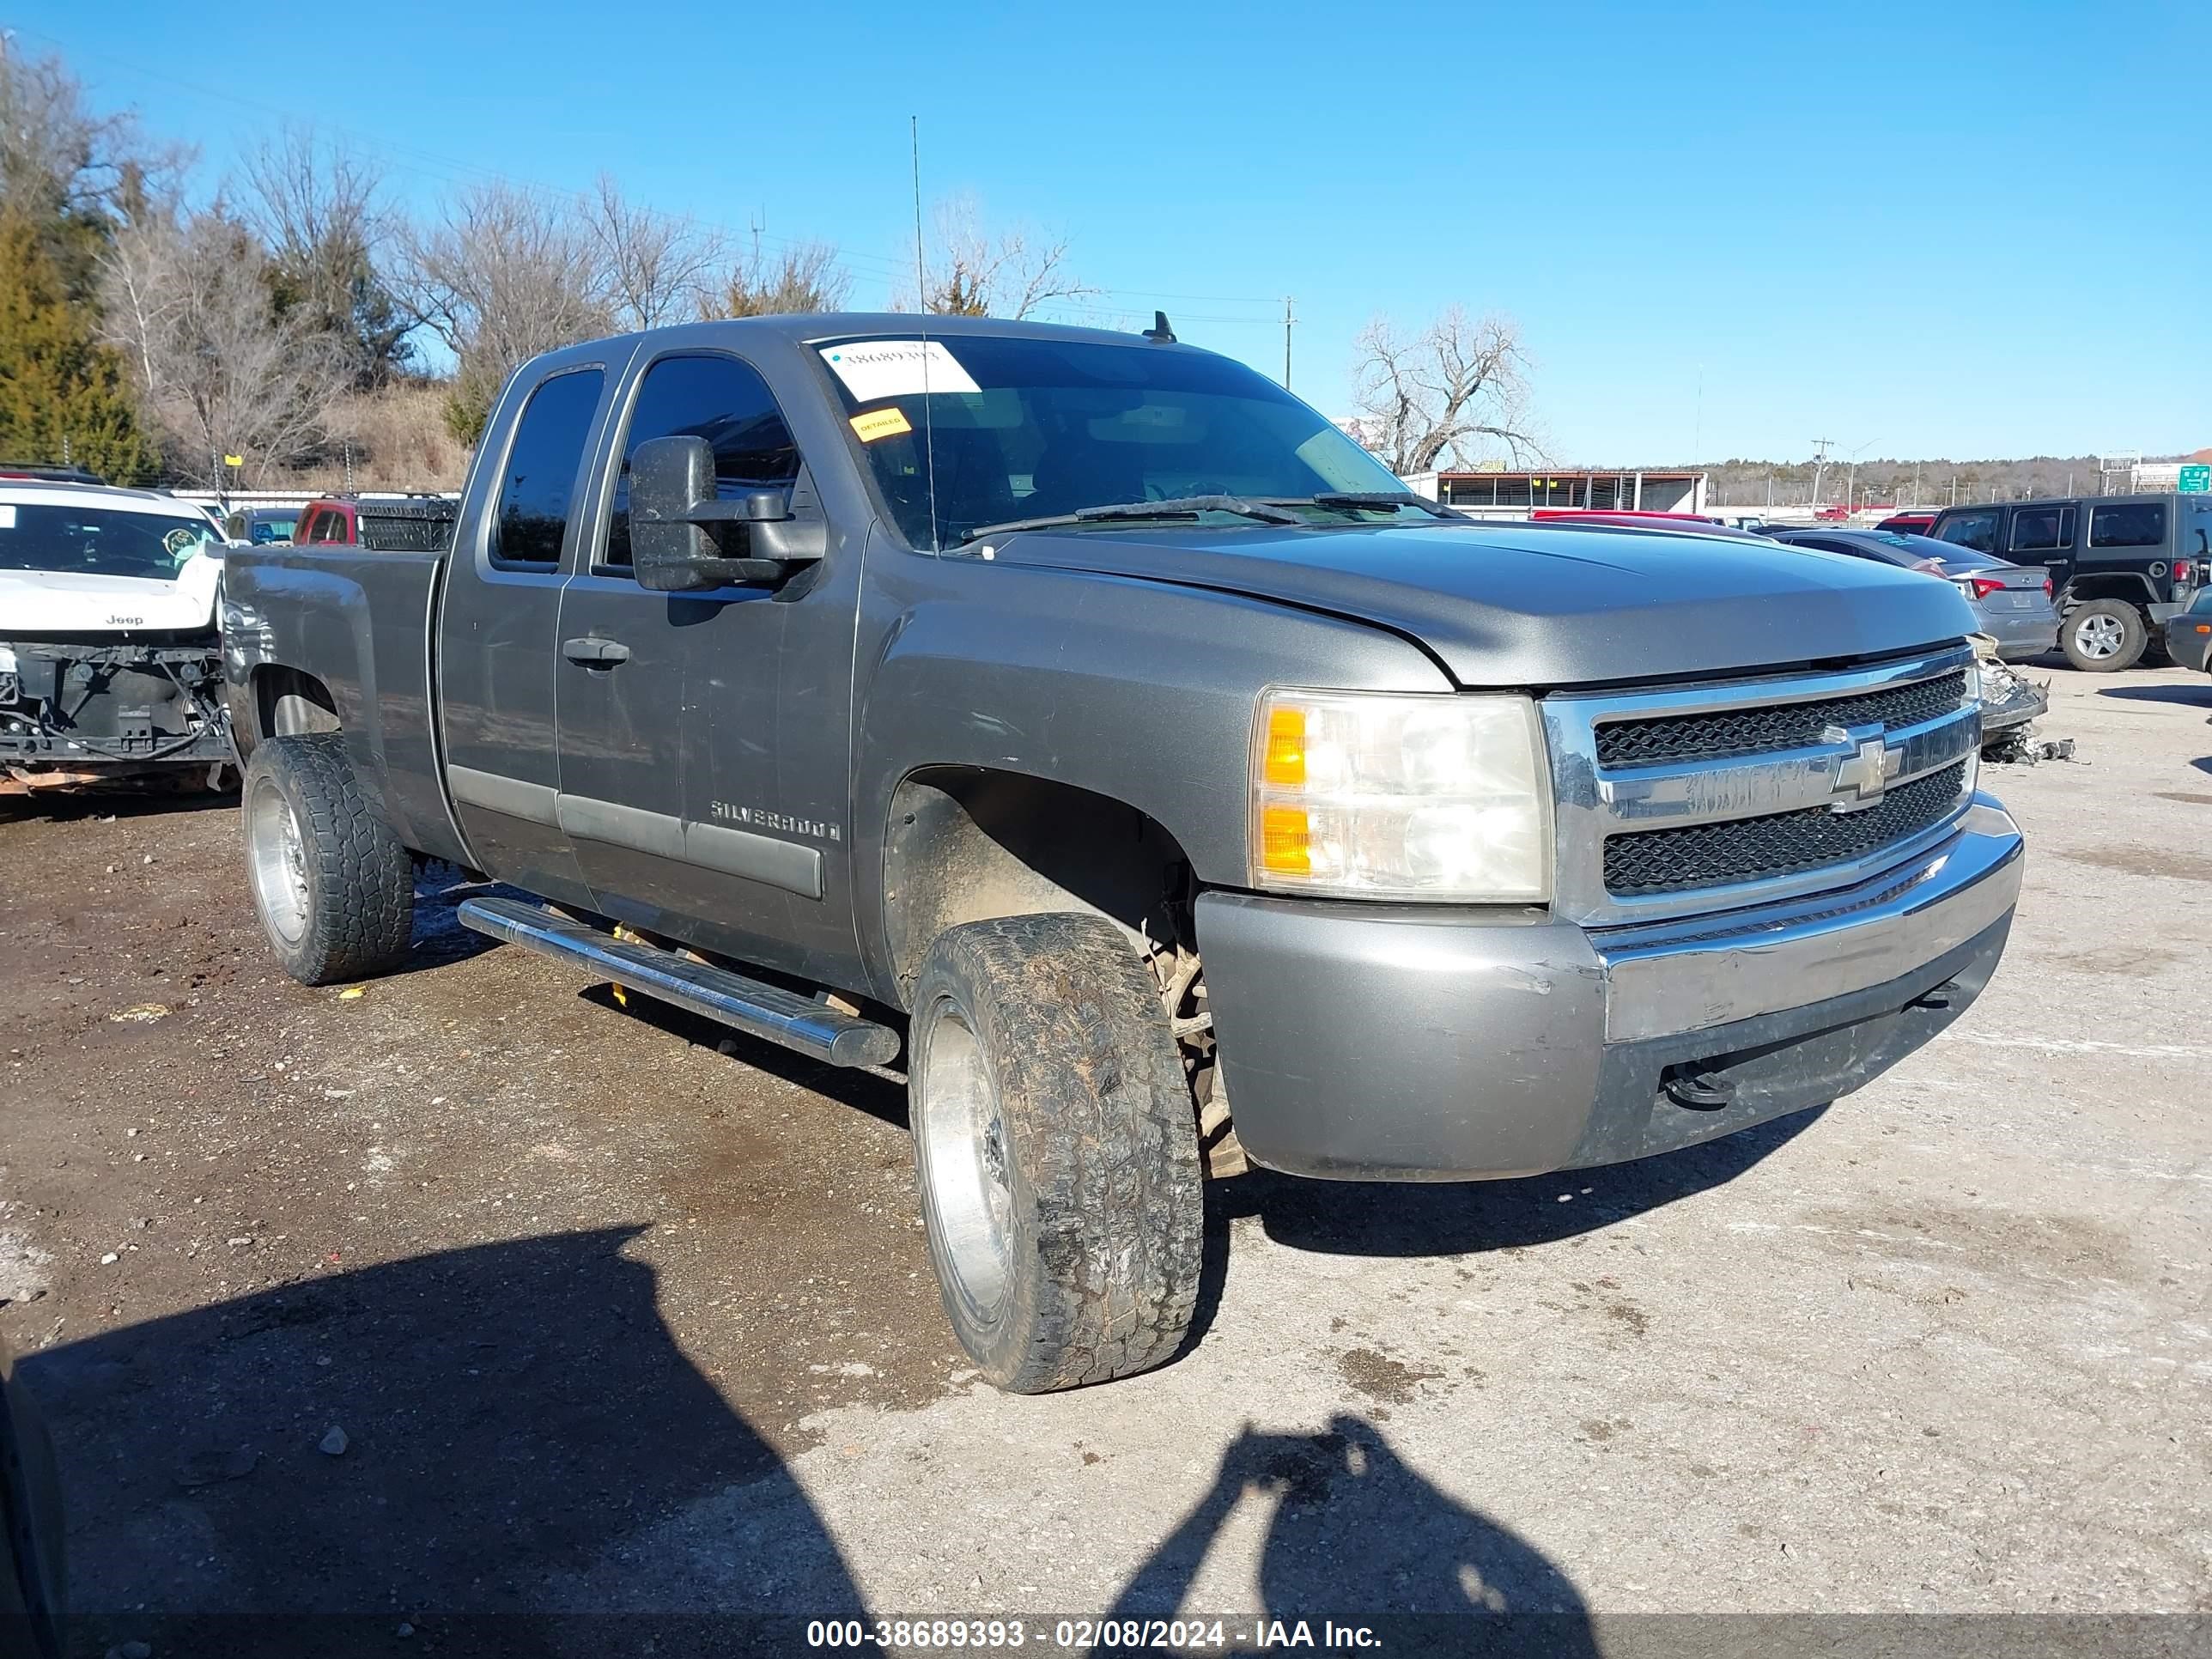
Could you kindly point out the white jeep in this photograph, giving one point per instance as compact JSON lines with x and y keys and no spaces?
{"x":111,"y":665}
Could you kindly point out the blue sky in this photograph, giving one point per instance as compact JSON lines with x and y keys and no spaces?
{"x":1725,"y":230}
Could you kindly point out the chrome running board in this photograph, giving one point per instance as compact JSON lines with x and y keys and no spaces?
{"x":745,"y":1005}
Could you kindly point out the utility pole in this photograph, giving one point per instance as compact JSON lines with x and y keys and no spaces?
{"x":1851,"y":490}
{"x":1820,"y":448}
{"x":1287,"y":320}
{"x":1698,"y":438}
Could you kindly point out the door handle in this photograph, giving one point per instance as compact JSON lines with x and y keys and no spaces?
{"x":595,"y":653}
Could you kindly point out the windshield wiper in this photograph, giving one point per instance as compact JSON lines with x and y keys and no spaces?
{"x":1346,"y":500}
{"x":1177,"y":506}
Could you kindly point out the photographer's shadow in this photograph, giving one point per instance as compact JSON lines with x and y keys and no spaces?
{"x":1359,"y":1537}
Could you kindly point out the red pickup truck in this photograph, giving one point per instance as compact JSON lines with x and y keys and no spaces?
{"x":383,"y":524}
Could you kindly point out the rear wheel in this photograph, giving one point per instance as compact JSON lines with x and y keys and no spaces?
{"x":1056,"y":1150}
{"x":2104,"y":636}
{"x":334,"y":888}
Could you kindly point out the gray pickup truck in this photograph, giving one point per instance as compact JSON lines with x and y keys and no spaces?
{"x":1085,"y":728}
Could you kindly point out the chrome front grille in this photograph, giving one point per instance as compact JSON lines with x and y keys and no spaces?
{"x":1783,"y":725}
{"x":1706,"y":797}
{"x":1781,"y":844}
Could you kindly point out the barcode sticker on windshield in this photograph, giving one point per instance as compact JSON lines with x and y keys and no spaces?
{"x":7,"y":515}
{"x":875,"y":369}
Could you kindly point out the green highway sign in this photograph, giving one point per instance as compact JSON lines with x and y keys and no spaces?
{"x":2196,"y":480}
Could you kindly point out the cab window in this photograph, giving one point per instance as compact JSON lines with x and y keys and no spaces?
{"x":2042,"y":529}
{"x":1976,"y":530}
{"x":718,"y":398}
{"x":538,"y":483}
{"x":2137,"y":524}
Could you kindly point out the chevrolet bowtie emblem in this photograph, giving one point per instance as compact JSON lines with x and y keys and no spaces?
{"x":1863,"y":775}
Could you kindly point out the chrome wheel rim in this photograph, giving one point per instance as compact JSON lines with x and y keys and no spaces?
{"x":2099,"y":635}
{"x":279,"y":854}
{"x":961,"y":1136}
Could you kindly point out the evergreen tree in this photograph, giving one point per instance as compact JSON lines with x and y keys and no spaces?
{"x":63,"y":396}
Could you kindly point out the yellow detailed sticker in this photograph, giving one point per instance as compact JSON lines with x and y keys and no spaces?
{"x":881,"y":423}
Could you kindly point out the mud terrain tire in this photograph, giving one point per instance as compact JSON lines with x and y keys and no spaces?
{"x":334,"y":888}
{"x":1056,"y":1148}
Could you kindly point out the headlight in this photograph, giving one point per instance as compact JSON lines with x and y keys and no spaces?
{"x":1383,"y":796}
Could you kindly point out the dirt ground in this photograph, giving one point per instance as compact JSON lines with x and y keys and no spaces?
{"x":618,"y":1314}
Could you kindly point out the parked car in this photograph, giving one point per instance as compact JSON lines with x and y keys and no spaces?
{"x":2012,"y":604}
{"x":260,"y":525}
{"x":1090,"y":722}
{"x":2120,"y":565}
{"x":2189,"y":633}
{"x":109,"y":659}
{"x":388,"y":524}
{"x":47,"y":472}
{"x":1908,"y":524}
{"x":1625,"y":515}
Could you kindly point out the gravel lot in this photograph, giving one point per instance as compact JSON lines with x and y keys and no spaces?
{"x":615,"y":1318}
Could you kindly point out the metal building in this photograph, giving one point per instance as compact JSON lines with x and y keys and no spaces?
{"x":1514,"y":495}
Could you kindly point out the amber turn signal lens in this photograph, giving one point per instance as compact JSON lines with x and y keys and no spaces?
{"x":1286,"y":841}
{"x":1286,"y":746}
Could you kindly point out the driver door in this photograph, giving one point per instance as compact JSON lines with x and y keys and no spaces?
{"x":678,"y":711}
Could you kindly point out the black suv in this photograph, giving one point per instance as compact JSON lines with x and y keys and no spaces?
{"x":2119,"y":565}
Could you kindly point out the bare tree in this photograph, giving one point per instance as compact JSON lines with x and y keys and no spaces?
{"x":57,"y":159}
{"x":1460,"y":382}
{"x":317,"y":207}
{"x":805,"y":276}
{"x":652,"y":267}
{"x":500,"y":275}
{"x":220,"y":370}
{"x":975,"y":272}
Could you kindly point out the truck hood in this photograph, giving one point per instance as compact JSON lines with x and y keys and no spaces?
{"x":59,"y":602}
{"x":1515,"y":606}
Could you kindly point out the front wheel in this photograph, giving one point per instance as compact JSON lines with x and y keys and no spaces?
{"x":2104,"y":636}
{"x":1056,"y":1150}
{"x":334,"y":887}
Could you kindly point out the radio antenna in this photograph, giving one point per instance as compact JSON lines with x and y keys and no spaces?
{"x":921,"y":308}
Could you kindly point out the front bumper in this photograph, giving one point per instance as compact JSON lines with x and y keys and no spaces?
{"x":1365,"y":1043}
{"x":2184,"y":643}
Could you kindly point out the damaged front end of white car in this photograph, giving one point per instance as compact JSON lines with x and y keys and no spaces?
{"x":110,"y":665}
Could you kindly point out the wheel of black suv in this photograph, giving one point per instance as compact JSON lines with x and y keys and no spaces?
{"x":2104,"y":636}
{"x":334,"y":887}
{"x":1057,"y":1151}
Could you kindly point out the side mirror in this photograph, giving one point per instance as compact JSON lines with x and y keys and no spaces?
{"x":672,"y":508}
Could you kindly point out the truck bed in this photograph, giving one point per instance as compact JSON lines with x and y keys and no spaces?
{"x":363,"y":618}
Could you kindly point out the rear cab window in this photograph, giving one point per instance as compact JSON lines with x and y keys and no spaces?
{"x":538,"y":479}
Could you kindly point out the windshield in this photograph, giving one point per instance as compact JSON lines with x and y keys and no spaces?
{"x":266,"y":530}
{"x":1030,"y":428}
{"x":93,"y":541}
